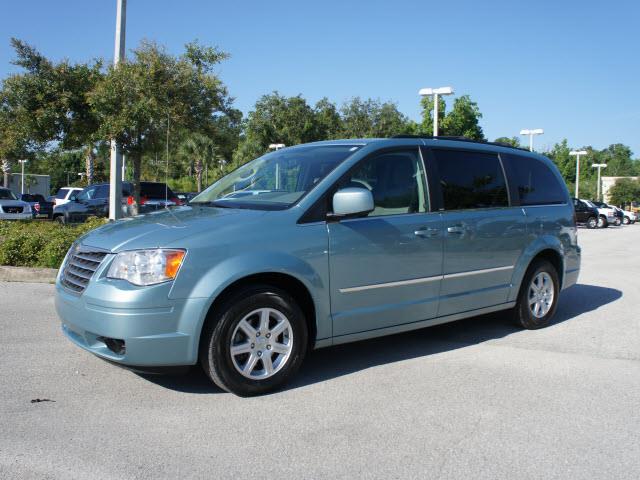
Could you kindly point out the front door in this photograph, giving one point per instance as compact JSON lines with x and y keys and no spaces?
{"x":483,"y":235}
{"x":386,"y":267}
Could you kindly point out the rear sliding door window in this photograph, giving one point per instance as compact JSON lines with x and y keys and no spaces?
{"x":470,"y":180}
{"x":535,"y":182}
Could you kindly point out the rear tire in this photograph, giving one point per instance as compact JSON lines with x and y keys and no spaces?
{"x":617,"y":222}
{"x":626,"y":220}
{"x":255,"y":342}
{"x":592,"y":222}
{"x":60,"y":219}
{"x":538,"y":297}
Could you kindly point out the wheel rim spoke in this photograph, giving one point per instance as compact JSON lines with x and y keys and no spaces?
{"x":280,"y":348}
{"x":248,"y":330}
{"x":264,"y":320}
{"x":241,"y":348}
{"x":268,"y":364}
{"x":251,"y":364}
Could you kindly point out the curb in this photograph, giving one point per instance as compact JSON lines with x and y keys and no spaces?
{"x":28,"y":274}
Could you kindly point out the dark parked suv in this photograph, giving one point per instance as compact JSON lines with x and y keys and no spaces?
{"x":585,"y":213}
{"x":94,"y":201}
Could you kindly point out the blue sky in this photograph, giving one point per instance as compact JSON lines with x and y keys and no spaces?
{"x":570,"y":67}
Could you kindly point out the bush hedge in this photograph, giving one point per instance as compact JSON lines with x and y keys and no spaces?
{"x":39,"y":244}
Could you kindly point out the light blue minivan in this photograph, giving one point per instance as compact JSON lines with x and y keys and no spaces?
{"x":321,"y":244}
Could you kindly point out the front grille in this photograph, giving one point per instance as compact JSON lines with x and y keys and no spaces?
{"x":12,"y":209}
{"x":80,"y":267}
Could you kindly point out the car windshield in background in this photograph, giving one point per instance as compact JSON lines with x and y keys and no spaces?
{"x":7,"y":195}
{"x":62,"y":193}
{"x":155,"y":190}
{"x":277,"y":180}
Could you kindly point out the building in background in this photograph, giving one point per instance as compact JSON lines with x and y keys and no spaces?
{"x":608,"y":182}
{"x":32,"y":184}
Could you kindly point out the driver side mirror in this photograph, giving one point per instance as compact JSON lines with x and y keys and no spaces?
{"x":350,"y":202}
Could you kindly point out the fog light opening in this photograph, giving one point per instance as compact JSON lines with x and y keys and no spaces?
{"x":116,"y":345}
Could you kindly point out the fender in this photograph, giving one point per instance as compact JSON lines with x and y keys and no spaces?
{"x":230,"y":270}
{"x":543,"y":242}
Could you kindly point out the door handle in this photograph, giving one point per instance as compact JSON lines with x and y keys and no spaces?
{"x":456,"y":229}
{"x":427,"y":232}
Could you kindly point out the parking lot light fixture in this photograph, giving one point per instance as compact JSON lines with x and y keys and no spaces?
{"x":425,"y":92}
{"x":577,"y":153}
{"x":599,"y":166}
{"x":531,"y":133}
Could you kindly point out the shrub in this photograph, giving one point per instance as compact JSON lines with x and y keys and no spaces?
{"x":39,"y":244}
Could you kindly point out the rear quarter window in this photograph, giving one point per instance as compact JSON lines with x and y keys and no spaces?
{"x":534,"y":181}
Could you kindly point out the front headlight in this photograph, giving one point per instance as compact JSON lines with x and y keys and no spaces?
{"x":147,"y":267}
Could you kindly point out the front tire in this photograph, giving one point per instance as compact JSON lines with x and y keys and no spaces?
{"x":617,"y":222}
{"x":538,"y":297}
{"x":592,"y":222}
{"x":602,"y":222}
{"x":256,"y":342}
{"x":626,"y":220}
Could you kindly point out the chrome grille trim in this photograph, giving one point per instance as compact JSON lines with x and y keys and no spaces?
{"x":79,"y":268}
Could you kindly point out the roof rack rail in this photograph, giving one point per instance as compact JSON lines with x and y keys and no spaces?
{"x":460,"y":139}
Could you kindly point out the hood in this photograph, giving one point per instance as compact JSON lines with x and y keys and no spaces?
{"x":13,"y":203}
{"x":165,"y":227}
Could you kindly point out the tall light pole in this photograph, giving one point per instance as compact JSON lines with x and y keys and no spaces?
{"x":276,"y":147}
{"x":435,"y":92}
{"x":577,"y":153}
{"x":22,"y":176}
{"x":531,"y":133}
{"x":599,"y":166}
{"x":115,"y":168}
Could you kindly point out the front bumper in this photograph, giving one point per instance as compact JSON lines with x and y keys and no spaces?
{"x":156,"y":330}
{"x":16,"y":216}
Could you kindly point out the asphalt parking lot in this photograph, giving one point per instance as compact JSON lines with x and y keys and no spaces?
{"x":473,"y":399}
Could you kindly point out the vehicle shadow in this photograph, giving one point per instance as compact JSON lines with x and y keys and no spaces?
{"x":333,"y":362}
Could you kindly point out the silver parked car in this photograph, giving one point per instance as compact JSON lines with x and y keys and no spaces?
{"x":13,"y":209}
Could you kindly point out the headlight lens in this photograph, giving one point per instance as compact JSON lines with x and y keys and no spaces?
{"x":147,"y":267}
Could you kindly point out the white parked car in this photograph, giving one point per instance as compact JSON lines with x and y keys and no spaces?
{"x":606,"y":217}
{"x":64,"y":194}
{"x":13,"y":209}
{"x":629,"y":218}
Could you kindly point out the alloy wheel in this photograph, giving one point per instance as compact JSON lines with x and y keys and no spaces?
{"x":261,"y":343}
{"x":541,"y":294}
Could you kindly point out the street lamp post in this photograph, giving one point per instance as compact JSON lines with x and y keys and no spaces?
{"x":577,"y":153}
{"x":531,"y":133}
{"x":599,"y":166}
{"x":22,"y":176}
{"x":115,"y":167}
{"x":435,"y":92}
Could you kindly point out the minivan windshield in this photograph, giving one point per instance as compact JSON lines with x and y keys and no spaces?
{"x":276,"y":180}
{"x":7,"y":194}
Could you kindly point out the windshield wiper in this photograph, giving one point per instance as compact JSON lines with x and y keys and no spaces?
{"x":211,"y":203}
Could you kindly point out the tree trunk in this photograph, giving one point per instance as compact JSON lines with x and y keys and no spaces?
{"x":89,"y":162}
{"x":199,"y":174}
{"x":137,"y":167}
{"x":6,"y":170}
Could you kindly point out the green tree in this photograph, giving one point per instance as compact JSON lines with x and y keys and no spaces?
{"x":513,"y":141}
{"x":328,"y":121}
{"x":625,"y":190}
{"x":371,"y":118}
{"x":201,"y":149}
{"x":47,"y":102}
{"x":153,"y":93}
{"x":462,"y":121}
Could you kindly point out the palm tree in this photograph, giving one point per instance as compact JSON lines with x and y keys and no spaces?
{"x":199,"y":149}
